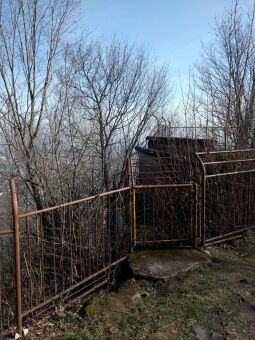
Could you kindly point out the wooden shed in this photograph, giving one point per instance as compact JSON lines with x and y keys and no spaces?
{"x":170,"y":159}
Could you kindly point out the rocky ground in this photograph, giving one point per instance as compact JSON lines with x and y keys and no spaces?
{"x":214,"y":300}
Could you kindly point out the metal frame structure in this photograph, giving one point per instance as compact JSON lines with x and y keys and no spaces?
{"x":192,"y":232}
{"x":31,"y":263}
{"x":114,"y":215}
{"x":206,"y":161}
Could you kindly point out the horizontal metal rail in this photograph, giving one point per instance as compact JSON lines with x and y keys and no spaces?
{"x":233,"y":233}
{"x":6,"y":232}
{"x":158,"y":186}
{"x":163,"y":241}
{"x":35,"y":212}
{"x":80,"y":283}
{"x":224,"y":151}
{"x":107,"y":193}
{"x":230,"y":173}
{"x":225,"y":239}
{"x":230,"y":161}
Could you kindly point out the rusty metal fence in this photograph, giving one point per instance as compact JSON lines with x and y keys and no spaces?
{"x":167,"y":214}
{"x":7,"y":282}
{"x":61,"y":253}
{"x":227,"y":194}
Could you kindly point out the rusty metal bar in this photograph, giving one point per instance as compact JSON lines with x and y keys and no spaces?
{"x":56,"y":297}
{"x":15,"y":213}
{"x":31,"y":213}
{"x":87,"y":293}
{"x":203,"y":200}
{"x":233,"y":233}
{"x":224,"y":151}
{"x":6,"y":232}
{"x":158,"y":186}
{"x":173,"y":241}
{"x":230,"y":161}
{"x":224,"y":239}
{"x":230,"y":173}
{"x":195,"y":215}
{"x":134,"y":215}
{"x":131,"y":219}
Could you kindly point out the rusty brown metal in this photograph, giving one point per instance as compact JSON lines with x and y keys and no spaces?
{"x":230,"y":161}
{"x":229,"y":235}
{"x":65,"y":292}
{"x":90,"y":198}
{"x":131,"y":218}
{"x":224,"y":239}
{"x":231,"y":173}
{"x":6,"y":232}
{"x":216,"y":184}
{"x":195,"y":214}
{"x":224,"y":152}
{"x":134,"y":215}
{"x":160,"y":186}
{"x":88,"y":292}
{"x":163,"y":241}
{"x":203,"y":199}
{"x":82,"y":236}
{"x":15,"y":211}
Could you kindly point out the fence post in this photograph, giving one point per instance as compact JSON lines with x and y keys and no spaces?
{"x":15,"y":214}
{"x":134,"y":216}
{"x":203,"y":227}
{"x":195,"y":188}
{"x":203,"y":200}
{"x":131,"y":217}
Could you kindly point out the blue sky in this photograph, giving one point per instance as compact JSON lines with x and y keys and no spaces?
{"x":172,"y":30}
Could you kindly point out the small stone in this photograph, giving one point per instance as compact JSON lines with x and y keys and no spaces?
{"x":25,"y":331}
{"x":217,"y":336}
{"x":17,"y":336}
{"x":200,"y":333}
{"x":135,"y":298}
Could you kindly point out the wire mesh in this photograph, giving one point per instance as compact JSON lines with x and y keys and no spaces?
{"x":68,"y":250}
{"x":166,"y":214}
{"x":229,"y":192}
{"x":7,"y":283}
{"x":62,"y":246}
{"x":7,"y":278}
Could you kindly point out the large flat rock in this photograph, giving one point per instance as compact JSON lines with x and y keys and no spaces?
{"x":165,"y":264}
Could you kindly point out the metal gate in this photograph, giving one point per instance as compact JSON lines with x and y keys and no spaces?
{"x":227,"y":194}
{"x":166,"y":214}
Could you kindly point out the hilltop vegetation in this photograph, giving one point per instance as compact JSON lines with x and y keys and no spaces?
{"x":216,"y":299}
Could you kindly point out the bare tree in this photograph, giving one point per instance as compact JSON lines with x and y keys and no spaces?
{"x":118,"y":91}
{"x":31,"y":33}
{"x":226,"y":77}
